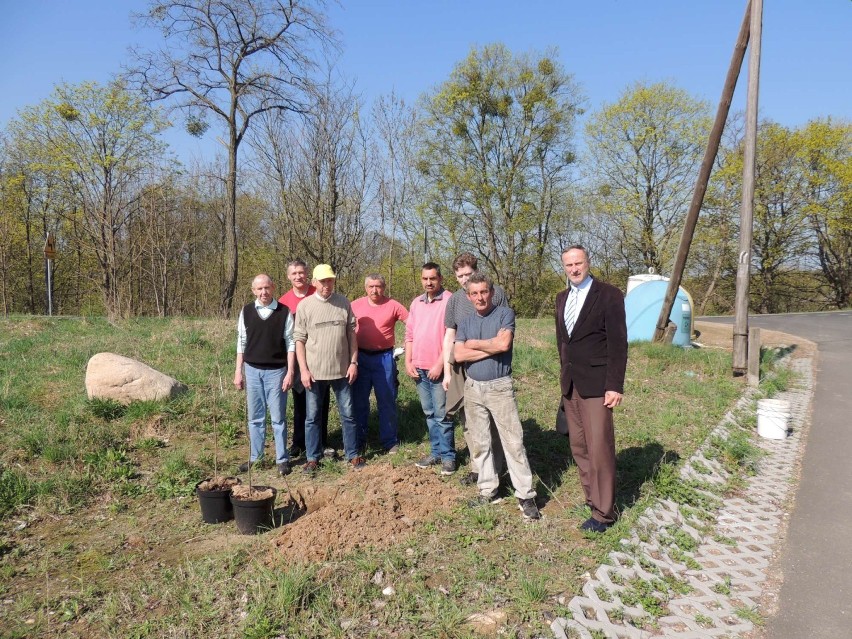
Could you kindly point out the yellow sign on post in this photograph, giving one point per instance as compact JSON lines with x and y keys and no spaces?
{"x":50,"y":247}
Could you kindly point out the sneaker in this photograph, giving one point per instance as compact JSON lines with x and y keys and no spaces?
{"x":296,"y":451}
{"x":393,"y":449}
{"x":284,"y":468}
{"x":246,"y":465}
{"x":427,"y":462}
{"x":310,"y":468}
{"x":448,"y":467}
{"x":484,"y":500}
{"x":528,"y":509}
{"x":470,"y":479}
{"x":595,"y":526}
{"x":329,"y":453}
{"x":358,"y":463}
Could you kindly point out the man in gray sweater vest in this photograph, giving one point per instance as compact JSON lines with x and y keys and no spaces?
{"x":265,"y":348}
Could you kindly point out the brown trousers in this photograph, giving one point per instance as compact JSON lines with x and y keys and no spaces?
{"x":592,"y":439}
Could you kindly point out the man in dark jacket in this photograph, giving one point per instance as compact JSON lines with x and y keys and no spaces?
{"x":591,"y":335}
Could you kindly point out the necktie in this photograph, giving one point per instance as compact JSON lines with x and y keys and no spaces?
{"x":571,"y":311}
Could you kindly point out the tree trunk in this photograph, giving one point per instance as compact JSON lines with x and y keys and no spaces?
{"x":231,"y":257}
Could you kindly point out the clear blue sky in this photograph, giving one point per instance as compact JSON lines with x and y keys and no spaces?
{"x":410,"y":46}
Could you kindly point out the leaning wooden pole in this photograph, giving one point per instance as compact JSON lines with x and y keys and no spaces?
{"x":740,"y":364}
{"x":704,"y":173}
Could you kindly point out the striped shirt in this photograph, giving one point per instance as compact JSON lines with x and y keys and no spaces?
{"x":327,"y":328}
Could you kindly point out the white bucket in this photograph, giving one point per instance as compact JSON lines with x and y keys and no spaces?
{"x":773,"y":418}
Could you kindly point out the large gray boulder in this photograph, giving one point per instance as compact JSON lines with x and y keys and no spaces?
{"x":111,"y":376}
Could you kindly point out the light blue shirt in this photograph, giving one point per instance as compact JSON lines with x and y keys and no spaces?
{"x":265,"y":312}
{"x":582,"y":292}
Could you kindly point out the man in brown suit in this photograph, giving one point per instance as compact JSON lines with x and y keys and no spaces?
{"x":591,"y":335}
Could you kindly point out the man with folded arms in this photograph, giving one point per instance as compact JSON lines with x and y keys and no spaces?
{"x":458,"y":308}
{"x":484,"y":344}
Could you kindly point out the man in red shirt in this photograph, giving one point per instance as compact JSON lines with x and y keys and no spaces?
{"x":377,"y":317}
{"x":297,"y":273}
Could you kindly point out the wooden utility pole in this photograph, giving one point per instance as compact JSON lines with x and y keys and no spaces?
{"x":704,"y":173}
{"x":740,"y":364}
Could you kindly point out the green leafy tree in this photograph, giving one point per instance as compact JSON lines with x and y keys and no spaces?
{"x":781,"y":243}
{"x":496,"y":153}
{"x":826,"y":157}
{"x":712,"y":267}
{"x":95,"y":146}
{"x":644,"y":151}
{"x":399,"y":186}
{"x":232,"y":60}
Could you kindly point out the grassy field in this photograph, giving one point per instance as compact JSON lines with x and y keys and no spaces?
{"x":101,"y":536}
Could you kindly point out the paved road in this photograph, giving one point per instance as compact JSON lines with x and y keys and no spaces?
{"x":816,"y":560}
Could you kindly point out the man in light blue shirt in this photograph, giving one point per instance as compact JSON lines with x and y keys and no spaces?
{"x":265,"y":348}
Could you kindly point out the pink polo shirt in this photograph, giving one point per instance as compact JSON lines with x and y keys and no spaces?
{"x":425,"y":329}
{"x":292,"y":301}
{"x":376,"y":324}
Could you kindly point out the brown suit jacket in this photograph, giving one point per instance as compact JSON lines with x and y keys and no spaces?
{"x":594,"y":358}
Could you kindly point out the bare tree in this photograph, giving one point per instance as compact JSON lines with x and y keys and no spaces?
{"x":322,"y":165}
{"x":233,"y":60}
{"x":399,"y":183}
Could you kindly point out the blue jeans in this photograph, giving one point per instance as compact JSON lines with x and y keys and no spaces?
{"x":263,"y":392}
{"x":314,"y":397}
{"x":376,"y":371}
{"x":433,"y":400}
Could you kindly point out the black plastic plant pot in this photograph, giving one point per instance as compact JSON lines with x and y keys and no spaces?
{"x":215,"y":504}
{"x":254,"y":516}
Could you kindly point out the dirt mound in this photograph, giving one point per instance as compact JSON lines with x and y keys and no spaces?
{"x":378,"y":506}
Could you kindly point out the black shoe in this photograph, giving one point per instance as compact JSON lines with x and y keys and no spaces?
{"x":470,"y":479}
{"x":528,"y":509}
{"x":284,"y":468}
{"x":593,"y":525}
{"x":245,"y":466}
{"x":296,"y":451}
{"x":448,"y":467}
{"x":427,"y":462}
{"x":393,"y":449}
{"x":484,"y":500}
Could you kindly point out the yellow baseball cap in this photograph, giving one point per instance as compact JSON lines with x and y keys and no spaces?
{"x":323,"y":271}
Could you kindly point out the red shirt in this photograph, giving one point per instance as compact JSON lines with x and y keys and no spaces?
{"x":375,"y":330}
{"x":291,"y":300}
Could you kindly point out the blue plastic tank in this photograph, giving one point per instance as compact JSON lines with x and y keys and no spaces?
{"x":642,"y":306}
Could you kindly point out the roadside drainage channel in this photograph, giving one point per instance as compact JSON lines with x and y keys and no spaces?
{"x":727,"y":568}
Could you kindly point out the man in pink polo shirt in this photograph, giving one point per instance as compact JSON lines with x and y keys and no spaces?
{"x":377,"y":317}
{"x":424,"y":361}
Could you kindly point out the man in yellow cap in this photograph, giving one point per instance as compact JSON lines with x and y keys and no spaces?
{"x":327,"y":351}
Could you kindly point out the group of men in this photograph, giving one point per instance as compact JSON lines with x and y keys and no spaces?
{"x":458,"y":351}
{"x":312,"y":341}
